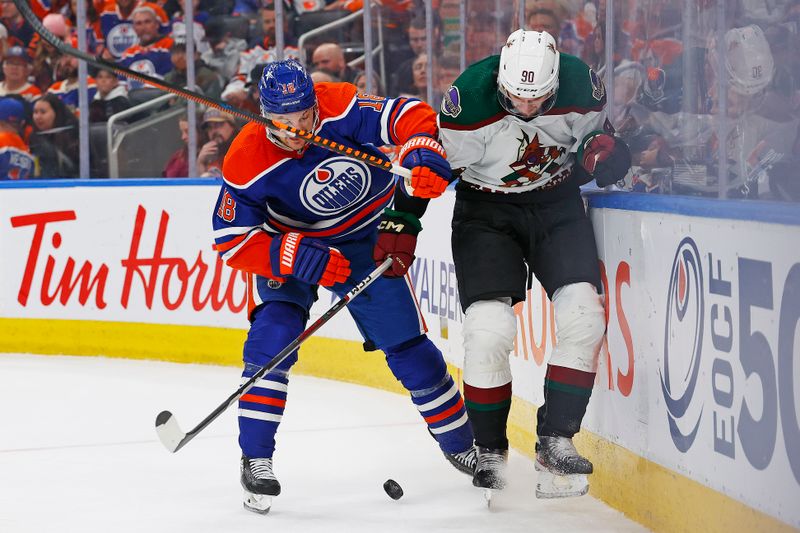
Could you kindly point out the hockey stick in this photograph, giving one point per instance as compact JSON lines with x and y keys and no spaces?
{"x":274,"y":125}
{"x":169,"y":432}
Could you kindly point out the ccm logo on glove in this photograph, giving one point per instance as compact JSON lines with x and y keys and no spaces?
{"x":606,"y":158}
{"x":430,"y":171}
{"x":397,"y":237}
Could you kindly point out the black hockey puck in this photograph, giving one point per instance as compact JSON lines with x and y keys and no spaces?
{"x":393,"y":489}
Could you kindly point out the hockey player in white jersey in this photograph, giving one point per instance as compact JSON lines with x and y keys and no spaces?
{"x":524,"y":129}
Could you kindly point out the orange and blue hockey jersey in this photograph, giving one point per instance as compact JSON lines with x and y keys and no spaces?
{"x":153,"y":60}
{"x":68,"y":92}
{"x":16,"y":162}
{"x":268,"y":190}
{"x":117,"y":31}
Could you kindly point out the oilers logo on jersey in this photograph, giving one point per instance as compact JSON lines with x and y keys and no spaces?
{"x":145,"y":66}
{"x":334,"y":185}
{"x":120,"y":38}
{"x":318,"y":193}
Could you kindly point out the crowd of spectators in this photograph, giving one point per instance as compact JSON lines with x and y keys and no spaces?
{"x":670,"y":62}
{"x":664,"y":96}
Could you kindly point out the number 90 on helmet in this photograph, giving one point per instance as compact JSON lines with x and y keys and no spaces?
{"x":529,"y":66}
{"x":285,"y":87}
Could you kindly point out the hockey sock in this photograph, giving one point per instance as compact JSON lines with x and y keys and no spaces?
{"x":488,"y":413}
{"x":420,"y":367}
{"x":443,"y":410}
{"x":566,"y":395}
{"x":261,"y":409}
{"x":260,"y":412}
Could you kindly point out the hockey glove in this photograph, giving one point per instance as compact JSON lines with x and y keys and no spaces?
{"x":308,"y":260}
{"x":397,"y":237}
{"x":606,"y":158}
{"x":430,"y":171}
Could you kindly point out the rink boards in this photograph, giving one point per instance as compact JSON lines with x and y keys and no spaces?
{"x":693,"y":424}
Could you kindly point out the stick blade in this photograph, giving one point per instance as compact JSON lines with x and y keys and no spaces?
{"x":169,"y":432}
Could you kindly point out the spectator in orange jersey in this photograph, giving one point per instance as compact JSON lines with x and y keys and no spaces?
{"x":116,"y":27}
{"x":16,"y":161}
{"x":152,"y":55}
{"x":17,"y":69}
{"x":66,"y":88}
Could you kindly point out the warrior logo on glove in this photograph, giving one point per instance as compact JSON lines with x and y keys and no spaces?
{"x":308,"y":260}
{"x":430,"y":171}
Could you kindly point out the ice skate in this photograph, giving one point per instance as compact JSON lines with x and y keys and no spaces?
{"x":464,"y":461}
{"x":260,"y":484}
{"x":490,"y":471}
{"x":562,"y":470}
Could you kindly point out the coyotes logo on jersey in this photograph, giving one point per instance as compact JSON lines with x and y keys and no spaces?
{"x":533,"y":160}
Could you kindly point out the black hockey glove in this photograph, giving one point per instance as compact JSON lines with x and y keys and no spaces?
{"x":397,"y":237}
{"x":606,"y":158}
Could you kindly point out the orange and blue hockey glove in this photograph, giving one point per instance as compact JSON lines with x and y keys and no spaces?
{"x":308,"y":260}
{"x":427,"y":160}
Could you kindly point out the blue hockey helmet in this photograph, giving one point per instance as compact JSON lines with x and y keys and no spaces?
{"x":285,"y":87}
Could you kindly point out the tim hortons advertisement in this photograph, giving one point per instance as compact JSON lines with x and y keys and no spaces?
{"x":118,"y":253}
{"x":703,"y":348}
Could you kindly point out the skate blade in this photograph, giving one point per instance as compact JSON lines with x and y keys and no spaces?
{"x":488,"y":494}
{"x":257,"y":503}
{"x":551,"y":485}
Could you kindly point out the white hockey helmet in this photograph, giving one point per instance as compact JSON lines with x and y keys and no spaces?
{"x":529,"y":64}
{"x":748,"y":60}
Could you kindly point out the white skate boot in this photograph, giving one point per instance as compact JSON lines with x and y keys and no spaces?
{"x":260,"y":484}
{"x":562,"y":470}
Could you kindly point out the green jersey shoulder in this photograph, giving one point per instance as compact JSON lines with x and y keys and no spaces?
{"x":471,"y":102}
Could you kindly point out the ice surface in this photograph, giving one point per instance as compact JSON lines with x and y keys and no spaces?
{"x":79,"y":453}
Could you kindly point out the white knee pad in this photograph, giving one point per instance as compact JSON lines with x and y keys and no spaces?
{"x":489,"y":331}
{"x":580,"y":327}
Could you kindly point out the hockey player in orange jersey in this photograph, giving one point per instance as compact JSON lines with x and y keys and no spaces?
{"x":297,"y":216}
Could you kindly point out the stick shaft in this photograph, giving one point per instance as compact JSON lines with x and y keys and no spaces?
{"x":288,"y":350}
{"x":189,"y":94}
